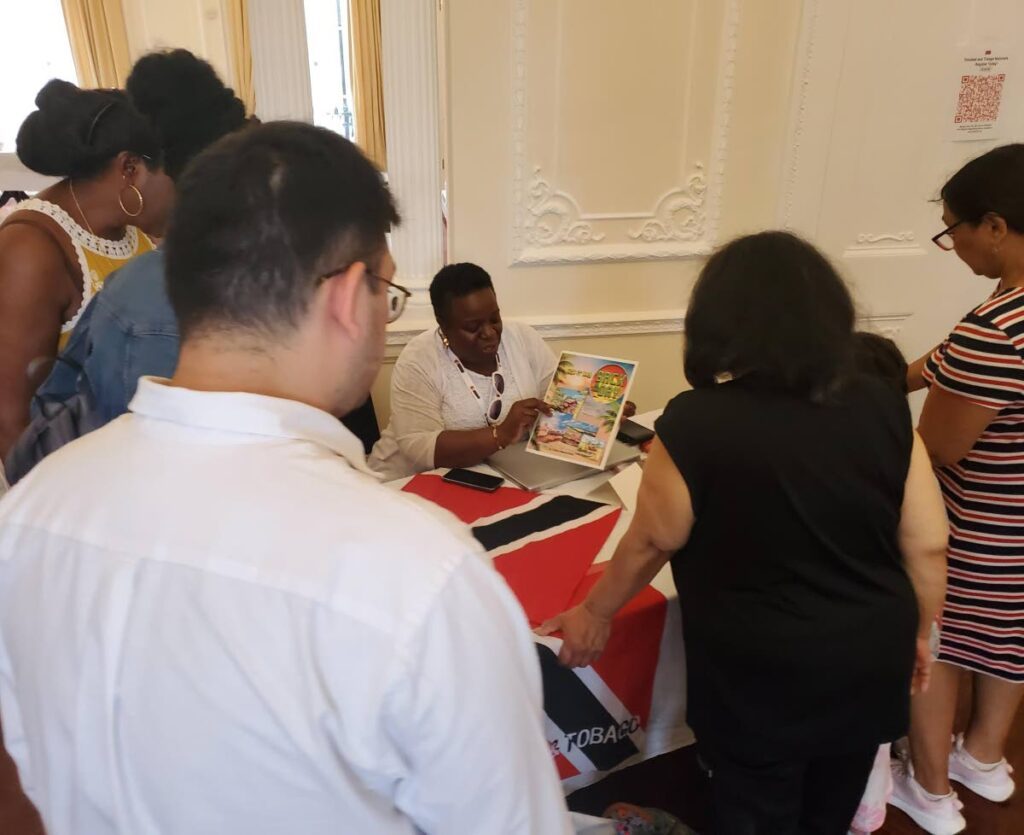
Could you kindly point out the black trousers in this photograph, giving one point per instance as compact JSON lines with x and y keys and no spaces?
{"x":817,"y":796}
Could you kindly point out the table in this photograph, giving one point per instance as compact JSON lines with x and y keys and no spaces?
{"x":659,"y":729}
{"x":631,"y":704}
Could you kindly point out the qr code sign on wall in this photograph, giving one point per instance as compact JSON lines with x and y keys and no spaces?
{"x":979,"y":98}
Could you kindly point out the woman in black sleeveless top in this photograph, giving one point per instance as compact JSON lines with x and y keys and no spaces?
{"x":807,"y":539}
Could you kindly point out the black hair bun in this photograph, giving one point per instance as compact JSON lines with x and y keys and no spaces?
{"x":185,"y":101}
{"x":76,"y":133}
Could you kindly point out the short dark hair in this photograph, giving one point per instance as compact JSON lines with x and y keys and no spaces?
{"x":455,"y":281}
{"x":77,"y":133}
{"x":260,"y":215}
{"x":879,"y":356}
{"x":185,"y":101}
{"x":992,"y":183}
{"x":772,"y":308}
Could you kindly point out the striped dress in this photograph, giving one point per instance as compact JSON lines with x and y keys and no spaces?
{"x":982,"y":361}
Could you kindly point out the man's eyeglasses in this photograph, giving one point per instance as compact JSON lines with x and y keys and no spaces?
{"x":397,"y":294}
{"x":944,"y":240}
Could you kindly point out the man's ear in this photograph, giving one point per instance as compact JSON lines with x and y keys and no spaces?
{"x":344,"y":297}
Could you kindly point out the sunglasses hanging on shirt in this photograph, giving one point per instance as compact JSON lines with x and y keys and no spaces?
{"x":493,"y":410}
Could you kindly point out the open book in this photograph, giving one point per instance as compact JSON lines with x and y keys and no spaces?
{"x":587,"y":395}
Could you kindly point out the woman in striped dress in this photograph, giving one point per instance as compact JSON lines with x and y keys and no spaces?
{"x":973,"y":426}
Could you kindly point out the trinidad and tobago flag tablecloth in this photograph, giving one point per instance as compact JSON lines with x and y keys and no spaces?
{"x":630,"y":704}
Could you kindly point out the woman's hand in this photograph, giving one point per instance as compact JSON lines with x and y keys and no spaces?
{"x":922,"y":666}
{"x":522,"y":414}
{"x":584,"y":635}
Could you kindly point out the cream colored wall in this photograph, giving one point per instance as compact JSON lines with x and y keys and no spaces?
{"x":871,"y":148}
{"x":483,"y":56}
{"x":480,"y":127}
{"x":674,"y":93}
{"x":196,"y":25}
{"x":819,"y":136}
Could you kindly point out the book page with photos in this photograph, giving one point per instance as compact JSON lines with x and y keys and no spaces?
{"x":587,"y":395}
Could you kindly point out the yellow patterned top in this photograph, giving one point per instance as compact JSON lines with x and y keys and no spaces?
{"x":97,"y":256}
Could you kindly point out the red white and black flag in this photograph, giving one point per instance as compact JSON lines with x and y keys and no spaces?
{"x":544,"y":546}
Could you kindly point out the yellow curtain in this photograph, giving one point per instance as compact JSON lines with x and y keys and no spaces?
{"x":241,"y":53}
{"x":368,"y":85}
{"x":99,"y":41}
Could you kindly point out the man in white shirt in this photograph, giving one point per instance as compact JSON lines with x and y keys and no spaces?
{"x":212,"y":618}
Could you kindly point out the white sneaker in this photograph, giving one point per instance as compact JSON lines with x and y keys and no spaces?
{"x":939,"y":816}
{"x":991,"y":781}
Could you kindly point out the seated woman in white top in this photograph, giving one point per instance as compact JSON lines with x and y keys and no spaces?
{"x":466,"y":389}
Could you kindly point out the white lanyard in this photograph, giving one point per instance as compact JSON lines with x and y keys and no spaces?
{"x":469,"y":383}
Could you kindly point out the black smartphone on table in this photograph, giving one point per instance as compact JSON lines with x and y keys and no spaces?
{"x":633,"y":433}
{"x":471,"y":478}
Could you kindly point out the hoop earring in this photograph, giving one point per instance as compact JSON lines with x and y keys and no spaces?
{"x":120,"y":202}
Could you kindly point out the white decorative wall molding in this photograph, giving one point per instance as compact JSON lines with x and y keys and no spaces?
{"x":899,"y":237}
{"x":551,"y":227}
{"x":816,"y":87}
{"x":723,"y":118}
{"x":798,"y":117}
{"x":883,"y":244}
{"x":519,"y":163}
{"x":634,"y":323}
{"x":412,"y":114}
{"x":887,"y":324}
{"x":553,"y":217}
{"x":860,"y":168}
{"x":627,"y":323}
{"x":602,"y":251}
{"x":883,"y":251}
{"x":679,"y":215}
{"x":570,"y":325}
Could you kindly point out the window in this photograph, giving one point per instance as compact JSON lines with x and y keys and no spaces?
{"x":35,"y":48}
{"x":330,"y":65}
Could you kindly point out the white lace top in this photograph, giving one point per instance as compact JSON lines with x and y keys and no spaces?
{"x":428,"y":395}
{"x":97,"y":257}
{"x":461,"y":410}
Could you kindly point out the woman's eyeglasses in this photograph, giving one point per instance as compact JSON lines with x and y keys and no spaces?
{"x":397,"y":294}
{"x":944,"y":240}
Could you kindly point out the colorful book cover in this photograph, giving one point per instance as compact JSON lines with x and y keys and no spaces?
{"x":587,"y":395}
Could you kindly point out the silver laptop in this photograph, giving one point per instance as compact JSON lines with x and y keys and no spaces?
{"x":537,"y":472}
